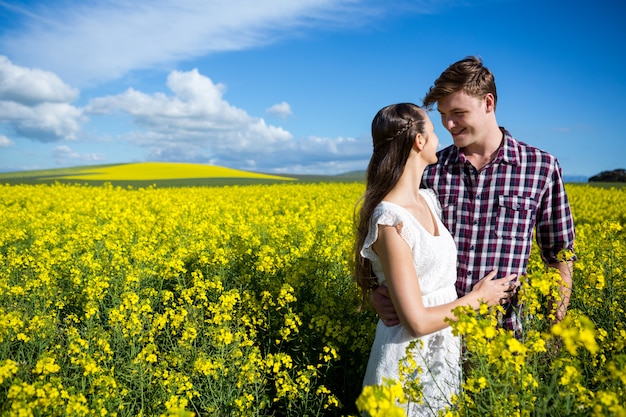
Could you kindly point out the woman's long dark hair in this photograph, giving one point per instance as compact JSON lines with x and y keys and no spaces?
{"x":394,"y":129}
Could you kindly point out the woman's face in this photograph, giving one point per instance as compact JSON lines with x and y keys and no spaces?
{"x":432,"y":143}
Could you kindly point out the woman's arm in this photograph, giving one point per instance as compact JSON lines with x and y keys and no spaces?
{"x":401,"y":279}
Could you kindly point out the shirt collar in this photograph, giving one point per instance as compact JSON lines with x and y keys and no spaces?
{"x":507,"y":153}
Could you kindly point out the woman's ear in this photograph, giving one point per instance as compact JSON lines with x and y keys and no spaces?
{"x":419,"y":142}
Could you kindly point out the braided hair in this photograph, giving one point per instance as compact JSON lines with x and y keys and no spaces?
{"x":394,"y":129}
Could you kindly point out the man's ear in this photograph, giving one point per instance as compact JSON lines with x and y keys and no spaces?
{"x":490,"y":102}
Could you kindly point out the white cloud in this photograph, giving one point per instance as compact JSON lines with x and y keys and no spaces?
{"x":197,"y":105}
{"x":195,"y":122}
{"x":46,"y":122}
{"x":64,"y":155}
{"x":32,"y":86}
{"x":5,"y":142}
{"x":36,"y":104}
{"x":311,"y":155}
{"x":282,"y":110}
{"x":102,"y":40}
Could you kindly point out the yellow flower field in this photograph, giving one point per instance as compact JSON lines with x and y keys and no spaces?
{"x":160,"y":171}
{"x":239,"y":300}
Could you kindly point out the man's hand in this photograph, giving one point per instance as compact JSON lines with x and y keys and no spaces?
{"x":565,"y":270}
{"x":383,"y":305}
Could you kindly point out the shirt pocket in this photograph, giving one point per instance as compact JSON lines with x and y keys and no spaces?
{"x":515,"y":217}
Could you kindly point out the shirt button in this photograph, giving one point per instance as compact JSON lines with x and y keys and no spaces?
{"x":472,"y":247}
{"x":475,"y":221}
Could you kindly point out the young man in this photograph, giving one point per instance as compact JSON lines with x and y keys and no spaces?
{"x":494,"y":192}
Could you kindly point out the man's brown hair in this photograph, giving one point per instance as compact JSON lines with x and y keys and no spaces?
{"x":468,"y":75}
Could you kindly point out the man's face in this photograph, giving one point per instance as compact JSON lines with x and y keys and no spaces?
{"x":464,"y":116}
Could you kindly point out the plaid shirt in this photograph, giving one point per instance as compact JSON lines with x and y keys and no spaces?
{"x":493,"y":213}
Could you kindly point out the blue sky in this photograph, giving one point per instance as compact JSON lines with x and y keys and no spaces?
{"x":283,"y":86}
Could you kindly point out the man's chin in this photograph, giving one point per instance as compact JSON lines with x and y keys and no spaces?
{"x":460,"y":142}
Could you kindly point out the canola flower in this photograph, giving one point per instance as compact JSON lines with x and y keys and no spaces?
{"x":239,"y":301}
{"x":232,"y":300}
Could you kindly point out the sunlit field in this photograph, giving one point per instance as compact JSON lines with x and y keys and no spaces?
{"x":141,"y":171}
{"x":163,"y":170}
{"x":238,"y":300}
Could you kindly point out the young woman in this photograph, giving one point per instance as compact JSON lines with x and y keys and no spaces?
{"x":402,"y":244}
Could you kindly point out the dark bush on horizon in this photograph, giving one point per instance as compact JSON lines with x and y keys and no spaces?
{"x":617,"y":175}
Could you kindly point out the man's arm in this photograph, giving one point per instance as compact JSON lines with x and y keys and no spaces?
{"x":555,"y":232}
{"x":565,"y":288}
{"x":381,"y":302}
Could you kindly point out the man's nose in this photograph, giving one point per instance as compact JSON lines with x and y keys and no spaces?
{"x":449,"y":122}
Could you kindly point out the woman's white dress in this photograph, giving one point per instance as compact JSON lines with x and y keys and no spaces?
{"x":434,"y":258}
